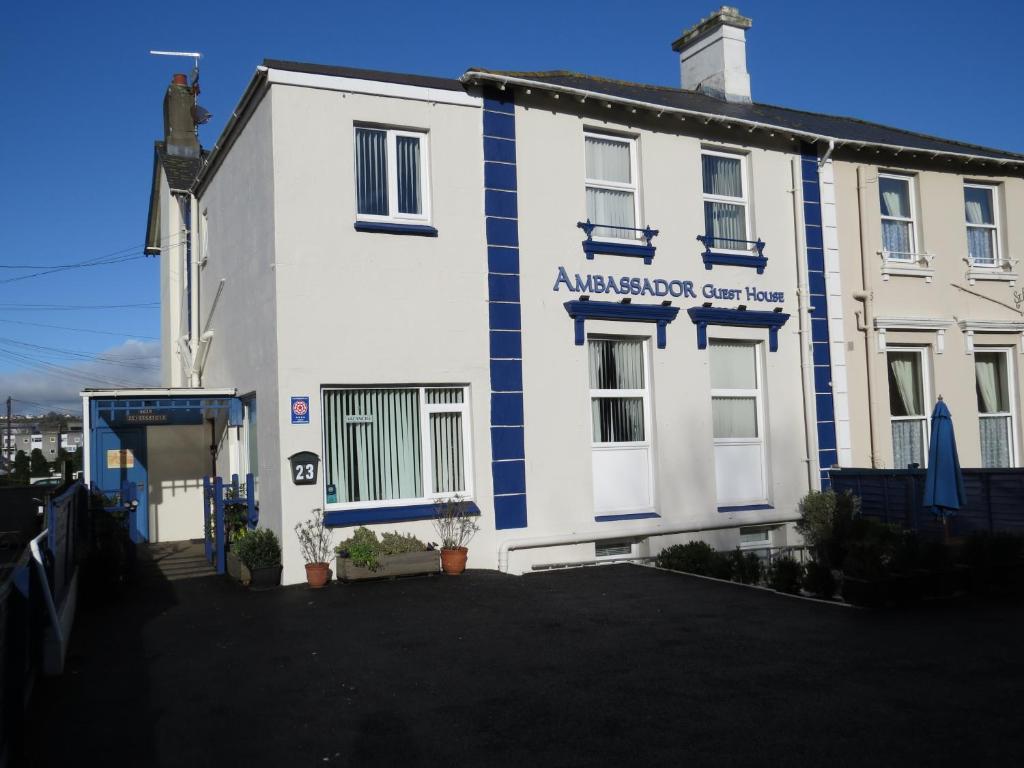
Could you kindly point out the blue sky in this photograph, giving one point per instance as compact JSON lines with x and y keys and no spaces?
{"x":83,"y":107}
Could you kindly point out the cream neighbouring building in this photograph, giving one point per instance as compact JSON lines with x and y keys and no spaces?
{"x":932,"y":298}
{"x":612,"y":315}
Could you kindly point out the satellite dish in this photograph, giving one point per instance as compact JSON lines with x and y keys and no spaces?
{"x":200,"y":115}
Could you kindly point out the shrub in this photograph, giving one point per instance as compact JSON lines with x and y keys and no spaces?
{"x":819,"y":581}
{"x":693,"y":557}
{"x":362,"y":548}
{"x":746,"y":567}
{"x":828,"y":521}
{"x":259,"y":549}
{"x":314,"y":538}
{"x":784,"y":575}
{"x":396,"y":543}
{"x":453,"y":522}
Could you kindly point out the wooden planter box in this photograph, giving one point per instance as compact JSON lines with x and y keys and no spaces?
{"x":405,"y":564}
{"x":236,"y":569}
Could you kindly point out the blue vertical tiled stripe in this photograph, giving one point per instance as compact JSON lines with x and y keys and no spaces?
{"x":501,"y":215}
{"x":821,"y":354}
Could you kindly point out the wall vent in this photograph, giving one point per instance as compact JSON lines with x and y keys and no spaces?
{"x":612,"y":548}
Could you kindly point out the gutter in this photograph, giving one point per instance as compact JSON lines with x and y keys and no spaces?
{"x":474,"y":77}
{"x":257,"y":84}
{"x":643,"y":532}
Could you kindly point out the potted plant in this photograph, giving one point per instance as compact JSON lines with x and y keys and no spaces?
{"x":455,"y":527}
{"x":363,"y":556}
{"x":315,"y":544}
{"x":260,"y":554}
{"x":236,"y":569}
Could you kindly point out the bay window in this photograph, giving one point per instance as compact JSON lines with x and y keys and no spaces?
{"x":899,"y":230}
{"x":995,"y":417}
{"x":611,"y":187}
{"x":725,"y":200}
{"x":391,"y":175}
{"x":398,"y":443}
{"x":907,"y":407}
{"x":982,"y":231}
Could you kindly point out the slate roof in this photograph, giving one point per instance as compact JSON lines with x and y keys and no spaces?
{"x":180,"y":171}
{"x":829,"y":126}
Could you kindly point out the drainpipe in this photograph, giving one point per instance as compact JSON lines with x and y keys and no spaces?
{"x":586,"y":537}
{"x":866,"y":320}
{"x":804,"y":315}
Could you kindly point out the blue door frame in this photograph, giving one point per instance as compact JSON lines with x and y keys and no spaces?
{"x":117,"y":440}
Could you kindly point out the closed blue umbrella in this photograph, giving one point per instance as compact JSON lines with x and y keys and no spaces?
{"x":943,"y":484}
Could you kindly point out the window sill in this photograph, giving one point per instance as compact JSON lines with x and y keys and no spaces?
{"x":394,"y":228}
{"x":991,"y":273}
{"x":612,"y":518}
{"x":906,"y":269}
{"x":734,"y":259}
{"x":746,"y":508}
{"x":339,"y":518}
{"x":618,"y":248}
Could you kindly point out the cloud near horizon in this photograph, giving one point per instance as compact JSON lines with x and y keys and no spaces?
{"x":40,"y":389}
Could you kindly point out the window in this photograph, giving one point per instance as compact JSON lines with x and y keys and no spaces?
{"x":620,"y":424}
{"x":391,"y":444}
{"x":737,"y":421}
{"x":896,"y":198}
{"x":907,"y":398}
{"x":611,"y":185}
{"x":995,"y":418}
{"x":391,"y":175}
{"x":755,"y":537}
{"x":982,"y":231}
{"x":725,"y":200}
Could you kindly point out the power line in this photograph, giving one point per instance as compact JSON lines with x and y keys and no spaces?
{"x":87,"y":262}
{"x":71,"y":307}
{"x":130,"y":362}
{"x":80,"y":330}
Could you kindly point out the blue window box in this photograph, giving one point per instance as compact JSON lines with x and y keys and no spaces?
{"x":636,"y":250}
{"x":393,"y":228}
{"x":712,"y":257}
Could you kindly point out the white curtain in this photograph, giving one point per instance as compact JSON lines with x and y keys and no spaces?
{"x":371,"y":172}
{"x":407,"y":149}
{"x":980,"y":239}
{"x":894,"y":197}
{"x":734,"y":416}
{"x":724,"y":221}
{"x":373,"y":446}
{"x":904,"y":382}
{"x":907,"y":443}
{"x":988,"y":373}
{"x":995,"y":441}
{"x":733,"y":365}
{"x":608,"y":160}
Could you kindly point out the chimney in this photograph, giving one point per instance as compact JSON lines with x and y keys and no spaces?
{"x":179,"y":127}
{"x":713,"y":56}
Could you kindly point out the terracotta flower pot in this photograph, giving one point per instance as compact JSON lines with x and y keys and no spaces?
{"x":317,"y":574}
{"x":453,"y":561}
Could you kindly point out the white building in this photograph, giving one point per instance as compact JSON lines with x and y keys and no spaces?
{"x":607,"y":313}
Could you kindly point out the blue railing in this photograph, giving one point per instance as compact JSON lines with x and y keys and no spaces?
{"x":215,"y":505}
{"x":754,"y":256}
{"x":644,"y":251}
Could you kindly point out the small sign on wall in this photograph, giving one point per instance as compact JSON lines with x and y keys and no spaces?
{"x":304,"y":467}
{"x":300,"y":410}
{"x":120,"y":459}
{"x":359,"y":418}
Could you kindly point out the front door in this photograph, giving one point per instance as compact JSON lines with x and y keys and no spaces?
{"x":118,"y":458}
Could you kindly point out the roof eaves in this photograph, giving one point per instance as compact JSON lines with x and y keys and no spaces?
{"x":528,"y":80}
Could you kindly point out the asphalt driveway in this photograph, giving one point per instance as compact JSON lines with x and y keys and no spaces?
{"x":617,"y":665}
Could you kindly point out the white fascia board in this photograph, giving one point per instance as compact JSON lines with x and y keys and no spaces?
{"x":505,"y":80}
{"x":372,"y":88}
{"x":194,"y":392}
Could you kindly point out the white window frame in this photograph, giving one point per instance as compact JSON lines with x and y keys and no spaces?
{"x":744,"y":200}
{"x":913,"y":255}
{"x":615,"y":186}
{"x":427,"y":469}
{"x":764,"y":543}
{"x":925,"y":417}
{"x":758,"y":394}
{"x":1011,"y":396}
{"x":391,"y":149}
{"x":997,"y":259}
